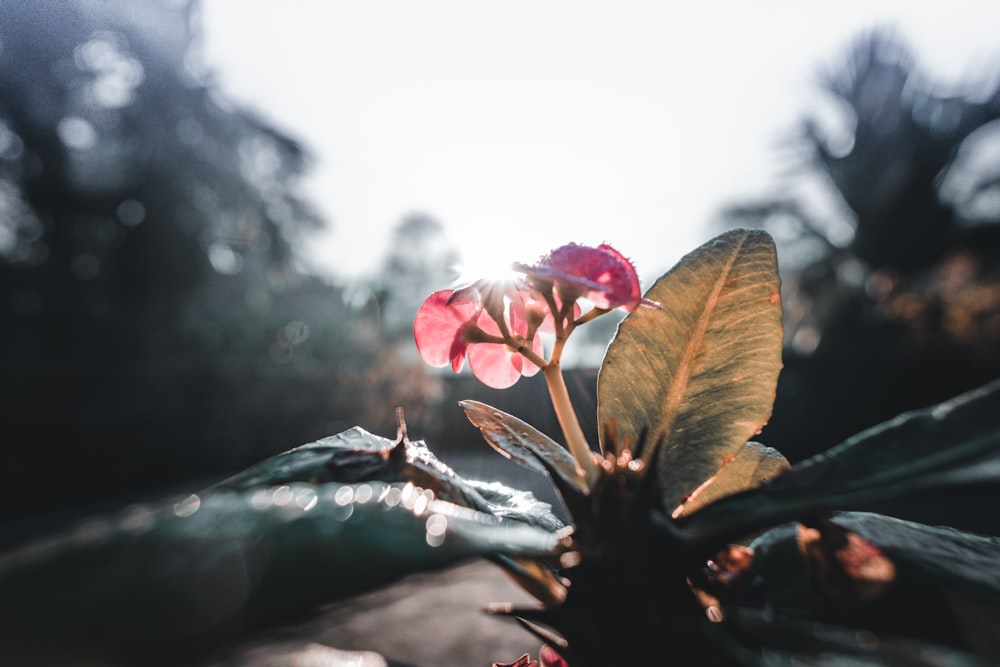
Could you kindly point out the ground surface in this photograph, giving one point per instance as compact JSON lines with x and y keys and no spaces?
{"x":426,"y":620}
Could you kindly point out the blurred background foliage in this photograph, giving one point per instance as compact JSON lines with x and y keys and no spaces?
{"x":892,"y":281}
{"x":159,"y":326}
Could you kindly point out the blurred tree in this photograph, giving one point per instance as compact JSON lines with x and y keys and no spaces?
{"x":892,"y":289}
{"x":127,"y":187}
{"x":131,"y":179}
{"x":421,"y":259}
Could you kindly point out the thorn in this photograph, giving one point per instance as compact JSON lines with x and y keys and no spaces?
{"x":499,"y":608}
{"x":610,"y":436}
{"x":401,"y":426}
{"x":546,"y":635}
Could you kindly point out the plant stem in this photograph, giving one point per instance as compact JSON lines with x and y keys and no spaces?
{"x":575,"y":440}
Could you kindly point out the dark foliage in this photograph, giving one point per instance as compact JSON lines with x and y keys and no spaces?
{"x":156,"y":323}
{"x":907,"y":311}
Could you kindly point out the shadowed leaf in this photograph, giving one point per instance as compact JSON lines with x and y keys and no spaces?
{"x":781,"y":640}
{"x":965,"y":561}
{"x":846,"y":568}
{"x":191,"y":573}
{"x":753,"y":465}
{"x":356,"y":455}
{"x":535,"y":578}
{"x":887,"y":576}
{"x":350,"y":456}
{"x":697,"y":378}
{"x":523,"y":443}
{"x":952,"y":444}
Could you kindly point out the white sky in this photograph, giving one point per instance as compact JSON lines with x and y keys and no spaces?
{"x":524,"y":124}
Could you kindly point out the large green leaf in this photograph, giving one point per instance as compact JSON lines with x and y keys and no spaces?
{"x":953,"y":444}
{"x":333,"y":517}
{"x":696,"y":379}
{"x":187,"y":574}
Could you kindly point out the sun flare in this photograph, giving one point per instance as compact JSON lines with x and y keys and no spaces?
{"x":491,"y":261}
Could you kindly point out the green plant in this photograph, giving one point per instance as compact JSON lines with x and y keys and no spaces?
{"x":689,"y":544}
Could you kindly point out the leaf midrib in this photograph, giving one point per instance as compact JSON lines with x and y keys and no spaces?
{"x":678,"y":388}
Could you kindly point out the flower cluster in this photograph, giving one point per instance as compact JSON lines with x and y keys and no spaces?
{"x":495,"y":324}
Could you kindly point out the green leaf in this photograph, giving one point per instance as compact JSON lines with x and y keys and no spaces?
{"x":523,"y":443}
{"x":944,"y":585}
{"x":696,"y":379}
{"x":351,"y":456}
{"x":359,"y":456}
{"x":187,"y":574}
{"x":953,"y":444}
{"x":278,"y":538}
{"x":773,"y":639}
{"x":952,"y":558}
{"x":507,"y":502}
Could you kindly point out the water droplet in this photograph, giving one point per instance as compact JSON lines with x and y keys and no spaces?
{"x":436,"y":527}
{"x":363,"y":494}
{"x":344,"y":495}
{"x":422,"y":501}
{"x":342,"y":512}
{"x":409,"y":495}
{"x":187,"y":507}
{"x":261,"y":500}
{"x":282,"y":496}
{"x":306,"y":498}
{"x":393,"y":496}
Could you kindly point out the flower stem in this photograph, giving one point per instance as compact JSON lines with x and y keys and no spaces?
{"x":575,"y":440}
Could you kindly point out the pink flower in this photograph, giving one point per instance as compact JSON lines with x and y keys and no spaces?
{"x":524,"y":661}
{"x":454,"y":324}
{"x":550,"y":658}
{"x":494,"y":324}
{"x":601,"y":275}
{"x":547,"y":657}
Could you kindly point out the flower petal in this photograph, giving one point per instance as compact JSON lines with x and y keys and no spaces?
{"x":528,"y":369}
{"x":524,"y":661}
{"x":601,"y":274}
{"x":494,"y":364}
{"x":456,"y":354}
{"x":548,"y":657}
{"x":437,"y":329}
